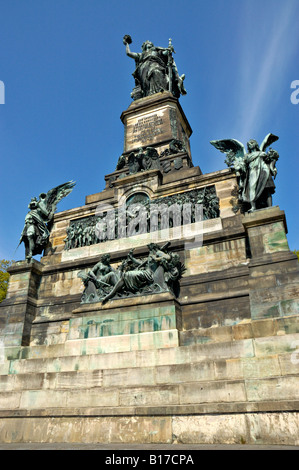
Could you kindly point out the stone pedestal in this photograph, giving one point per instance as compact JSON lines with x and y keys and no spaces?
{"x":267,"y":231}
{"x":154,"y":121}
{"x":19,"y":308}
{"x":136,"y":323}
{"x":273,"y":269}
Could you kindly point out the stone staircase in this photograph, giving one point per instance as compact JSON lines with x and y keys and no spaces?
{"x":197,"y":393}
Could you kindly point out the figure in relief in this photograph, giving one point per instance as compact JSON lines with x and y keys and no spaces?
{"x":160,"y":271}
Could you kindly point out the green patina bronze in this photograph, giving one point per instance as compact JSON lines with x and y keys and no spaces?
{"x":161,"y":271}
{"x":98,"y":229}
{"x":38,"y":221}
{"x":155,"y":70}
{"x":255,"y":170}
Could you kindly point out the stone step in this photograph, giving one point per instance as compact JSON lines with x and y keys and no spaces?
{"x":201,"y":371}
{"x":85,"y":357}
{"x":219,"y":391}
{"x":99,"y":345}
{"x":81,"y":354}
{"x":205,"y":424}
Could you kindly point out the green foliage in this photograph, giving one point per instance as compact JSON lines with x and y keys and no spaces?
{"x":297,"y":253}
{"x":4,"y":277}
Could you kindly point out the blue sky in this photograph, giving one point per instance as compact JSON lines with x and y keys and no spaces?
{"x":67,"y":80}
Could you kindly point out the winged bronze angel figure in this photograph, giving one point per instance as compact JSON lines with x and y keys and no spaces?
{"x":38,"y":221}
{"x":255,"y":169}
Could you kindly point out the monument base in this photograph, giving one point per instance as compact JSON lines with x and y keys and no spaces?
{"x":242,"y":390}
{"x":217,"y":365}
{"x":250,"y":428}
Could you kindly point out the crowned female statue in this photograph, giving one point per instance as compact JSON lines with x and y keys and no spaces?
{"x":155,"y":70}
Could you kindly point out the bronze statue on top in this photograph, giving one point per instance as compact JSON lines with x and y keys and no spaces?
{"x":155,"y":71}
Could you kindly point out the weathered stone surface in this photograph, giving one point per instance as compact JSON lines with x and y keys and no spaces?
{"x":149,"y":396}
{"x":10,"y":400}
{"x":129,"y":377}
{"x":273,"y":428}
{"x":247,"y":368}
{"x":275,"y":345}
{"x":214,"y":257}
{"x":212,"y":392}
{"x":230,"y":429}
{"x":181,"y":373}
{"x":253,"y":428}
{"x":238,"y":429}
{"x":273,"y":388}
{"x":74,"y":380}
{"x":72,"y":429}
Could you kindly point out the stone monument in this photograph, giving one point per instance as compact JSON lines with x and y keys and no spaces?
{"x":163,"y":310}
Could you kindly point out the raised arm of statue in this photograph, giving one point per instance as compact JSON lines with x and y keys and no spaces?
{"x":134,"y":260}
{"x":133,"y":55}
{"x":127,"y":40}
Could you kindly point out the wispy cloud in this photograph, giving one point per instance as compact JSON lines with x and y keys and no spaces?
{"x":270,"y":43}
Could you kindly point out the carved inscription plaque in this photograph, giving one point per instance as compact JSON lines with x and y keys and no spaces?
{"x":146,"y":128}
{"x":154,"y":123}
